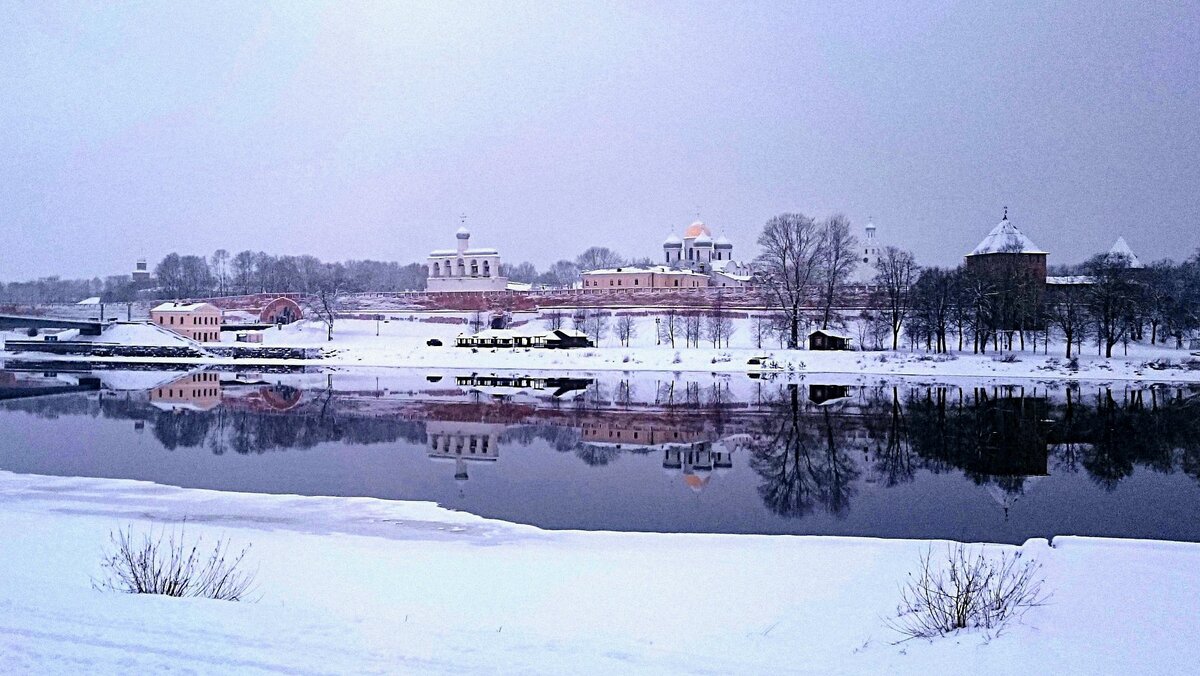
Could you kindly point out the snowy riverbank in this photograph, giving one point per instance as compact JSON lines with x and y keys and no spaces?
{"x":402,"y":343}
{"x":360,"y":585}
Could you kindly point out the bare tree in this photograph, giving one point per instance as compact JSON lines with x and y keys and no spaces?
{"x":599,"y":258}
{"x":790,"y":264}
{"x":692,"y":325}
{"x":1111,"y":298}
{"x":626,"y":328}
{"x":761,"y":328}
{"x":561,"y":274}
{"x":718,"y":325}
{"x":933,"y":297}
{"x":837,"y":262}
{"x":896,"y":271}
{"x":597,"y":325}
{"x":554,"y":319}
{"x":220,"y":270}
{"x":668,"y":326}
{"x":1066,"y":305}
{"x":326,"y":301}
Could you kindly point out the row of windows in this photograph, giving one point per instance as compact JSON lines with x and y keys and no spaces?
{"x":636,"y":282}
{"x":190,"y":394}
{"x":196,"y":321}
{"x":715,"y":256}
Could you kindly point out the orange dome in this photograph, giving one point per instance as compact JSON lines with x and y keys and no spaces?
{"x":695,"y":230}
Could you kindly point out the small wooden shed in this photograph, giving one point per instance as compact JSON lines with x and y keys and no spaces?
{"x":824,"y":339}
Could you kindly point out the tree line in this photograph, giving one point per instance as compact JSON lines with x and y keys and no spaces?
{"x":805,"y":267}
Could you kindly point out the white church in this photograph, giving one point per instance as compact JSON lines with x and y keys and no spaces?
{"x":464,"y":268}
{"x":699,"y":252}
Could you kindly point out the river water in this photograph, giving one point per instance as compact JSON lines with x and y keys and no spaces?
{"x":971,"y":461}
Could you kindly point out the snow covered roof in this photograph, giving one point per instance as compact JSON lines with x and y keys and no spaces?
{"x":673,"y":240}
{"x":462,"y":233}
{"x":724,"y":243}
{"x":702,"y":240}
{"x":437,"y":253}
{"x":1070,"y":280}
{"x":733,"y":276}
{"x":182,"y":307}
{"x":95,"y":300}
{"x":831,"y":334}
{"x":1121,"y":248}
{"x":518,"y":286}
{"x":1006,"y":238}
{"x":657,"y":269}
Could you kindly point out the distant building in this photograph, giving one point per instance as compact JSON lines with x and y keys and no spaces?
{"x":200,"y":322}
{"x":1121,"y":248}
{"x":822,"y":339}
{"x":699,"y":252}
{"x":1016,"y":271}
{"x":141,"y":273}
{"x":656,"y":277}
{"x":869,"y":247}
{"x":1006,"y":251}
{"x":464,"y":268}
{"x":1006,"y":246}
{"x":555,"y":339}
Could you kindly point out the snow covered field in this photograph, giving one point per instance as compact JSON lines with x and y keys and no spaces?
{"x":401,"y":343}
{"x":360,"y":585}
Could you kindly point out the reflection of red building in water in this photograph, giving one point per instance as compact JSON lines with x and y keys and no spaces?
{"x":193,"y":392}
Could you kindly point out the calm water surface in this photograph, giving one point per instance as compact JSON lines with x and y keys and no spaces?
{"x":662,"y":452}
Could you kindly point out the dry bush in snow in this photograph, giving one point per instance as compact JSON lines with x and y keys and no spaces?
{"x":165,"y":563}
{"x":968,"y":590}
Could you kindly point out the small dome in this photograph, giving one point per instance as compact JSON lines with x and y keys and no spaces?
{"x":672,"y":241}
{"x":724,"y":243}
{"x":695,"y":230}
{"x":463,"y":233}
{"x":702,"y":240}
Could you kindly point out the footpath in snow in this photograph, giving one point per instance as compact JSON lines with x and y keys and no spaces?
{"x":363,"y":585}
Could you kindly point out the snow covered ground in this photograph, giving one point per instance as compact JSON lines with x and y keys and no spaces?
{"x":401,"y":342}
{"x":361,"y":585}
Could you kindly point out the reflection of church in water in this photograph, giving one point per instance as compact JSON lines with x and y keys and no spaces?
{"x":463,"y":443}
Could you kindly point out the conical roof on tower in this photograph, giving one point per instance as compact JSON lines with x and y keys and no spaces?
{"x":1122,"y":248}
{"x":1006,"y":238}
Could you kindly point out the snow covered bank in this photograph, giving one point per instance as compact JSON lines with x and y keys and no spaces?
{"x":402,"y":343}
{"x":359,"y":585}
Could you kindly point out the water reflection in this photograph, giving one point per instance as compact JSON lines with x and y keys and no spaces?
{"x":808,"y":452}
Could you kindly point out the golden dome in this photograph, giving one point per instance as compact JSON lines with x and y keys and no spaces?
{"x":695,"y":230}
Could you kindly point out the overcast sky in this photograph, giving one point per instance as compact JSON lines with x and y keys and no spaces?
{"x":363,"y":130}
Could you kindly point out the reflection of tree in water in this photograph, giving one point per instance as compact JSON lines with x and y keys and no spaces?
{"x":886,"y":422}
{"x":801,"y":460}
{"x":325,"y":418}
{"x":997,"y":436}
{"x":597,"y":455}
